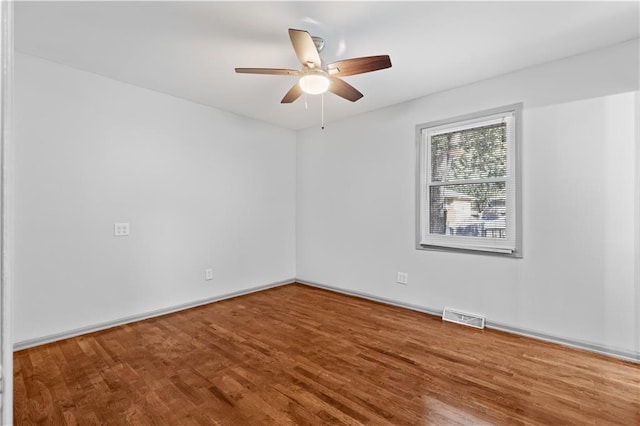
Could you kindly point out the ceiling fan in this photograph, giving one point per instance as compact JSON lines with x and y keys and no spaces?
{"x":314,"y":77}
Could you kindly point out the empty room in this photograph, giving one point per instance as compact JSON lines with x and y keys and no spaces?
{"x":320,"y":213}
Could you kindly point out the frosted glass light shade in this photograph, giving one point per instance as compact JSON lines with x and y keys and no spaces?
{"x":314,"y":84}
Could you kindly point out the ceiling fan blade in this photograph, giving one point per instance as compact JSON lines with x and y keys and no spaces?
{"x":305,"y":48}
{"x":294,"y":93}
{"x":344,"y":89}
{"x":359,"y":65}
{"x":273,"y":71}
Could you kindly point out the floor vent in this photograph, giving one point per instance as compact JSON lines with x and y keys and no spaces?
{"x":464,"y":318}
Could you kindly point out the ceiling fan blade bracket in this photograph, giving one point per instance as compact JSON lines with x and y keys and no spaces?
{"x":268,"y":71}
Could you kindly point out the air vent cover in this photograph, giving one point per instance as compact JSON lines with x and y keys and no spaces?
{"x":464,"y":318}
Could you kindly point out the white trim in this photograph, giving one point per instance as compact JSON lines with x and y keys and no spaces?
{"x":573,"y":343}
{"x":587,"y":346}
{"x":577,"y":344}
{"x":506,"y":245}
{"x":469,"y":243}
{"x":637,"y":221}
{"x":6,"y":156}
{"x":25,"y":344}
{"x":458,"y":126}
{"x":511,"y":245}
{"x":371,"y":297}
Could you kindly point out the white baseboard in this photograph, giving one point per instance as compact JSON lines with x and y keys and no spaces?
{"x":587,"y":346}
{"x":17,"y":346}
{"x":371,"y":297}
{"x":574,"y":343}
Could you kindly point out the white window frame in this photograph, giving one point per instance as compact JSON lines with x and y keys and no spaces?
{"x":512,"y":244}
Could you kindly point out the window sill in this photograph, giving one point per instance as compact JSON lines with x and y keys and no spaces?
{"x":471,"y":250}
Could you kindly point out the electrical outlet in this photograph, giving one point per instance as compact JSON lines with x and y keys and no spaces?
{"x":208,"y":274}
{"x":403,"y":278}
{"x":120,"y":229}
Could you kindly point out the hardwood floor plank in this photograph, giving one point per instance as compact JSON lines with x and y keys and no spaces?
{"x":296,"y":355}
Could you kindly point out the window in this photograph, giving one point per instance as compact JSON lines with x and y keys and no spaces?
{"x":468,"y":195}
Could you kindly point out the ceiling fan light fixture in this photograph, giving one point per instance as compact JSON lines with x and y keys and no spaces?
{"x":315,"y":78}
{"x":314,"y":84}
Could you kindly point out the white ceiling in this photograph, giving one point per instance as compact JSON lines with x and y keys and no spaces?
{"x":190,"y":49}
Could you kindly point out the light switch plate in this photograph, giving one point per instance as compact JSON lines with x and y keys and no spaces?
{"x":208,"y":274}
{"x":120,"y":229}
{"x":403,"y":278}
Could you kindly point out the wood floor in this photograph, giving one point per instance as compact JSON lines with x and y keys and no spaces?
{"x":299,"y":355}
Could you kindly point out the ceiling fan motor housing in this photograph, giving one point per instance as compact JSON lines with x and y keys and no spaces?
{"x":319,"y":42}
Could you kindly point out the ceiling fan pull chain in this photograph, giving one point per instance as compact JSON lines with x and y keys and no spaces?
{"x":322,"y":111}
{"x":306,"y":107}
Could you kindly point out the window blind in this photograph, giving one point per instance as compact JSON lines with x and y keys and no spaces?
{"x":468,"y":197}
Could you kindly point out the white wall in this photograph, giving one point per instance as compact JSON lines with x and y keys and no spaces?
{"x":204,"y":188}
{"x":200,"y":187}
{"x":356,"y":204}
